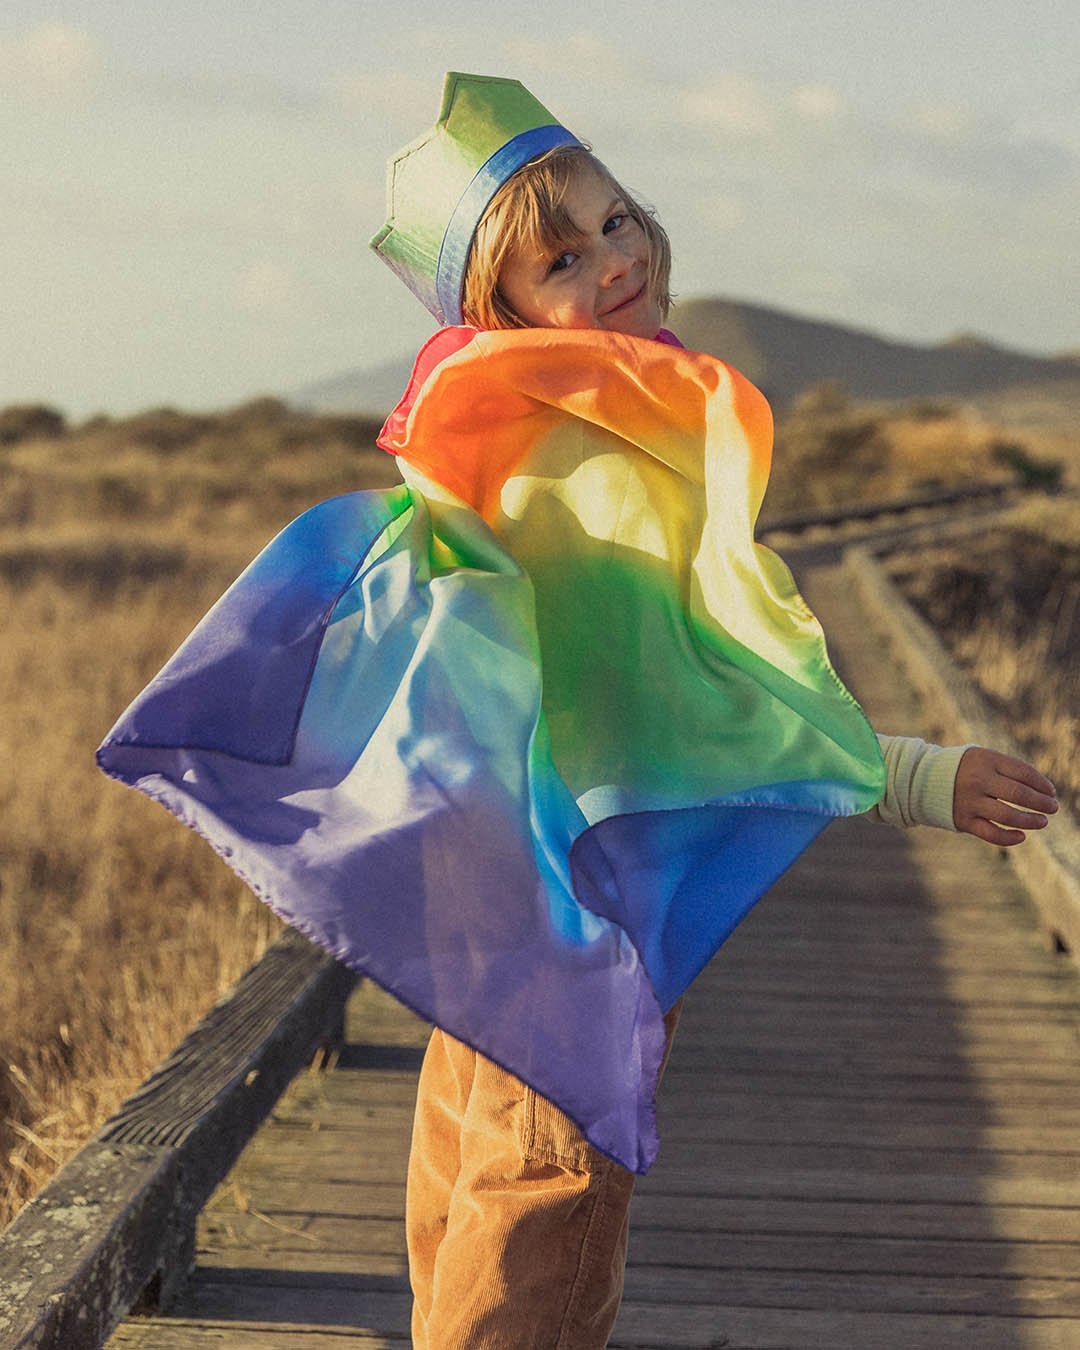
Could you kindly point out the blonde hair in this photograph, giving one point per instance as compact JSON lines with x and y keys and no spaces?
{"x":528,"y":212}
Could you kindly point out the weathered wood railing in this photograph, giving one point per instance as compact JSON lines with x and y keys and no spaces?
{"x":969,"y":495}
{"x":116,"y":1226}
{"x":1048,"y":863}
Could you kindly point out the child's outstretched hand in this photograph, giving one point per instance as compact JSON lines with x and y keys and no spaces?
{"x":997,"y":797}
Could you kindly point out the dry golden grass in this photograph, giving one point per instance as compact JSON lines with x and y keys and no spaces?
{"x":1006,"y":602}
{"x":117,"y":929}
{"x":830,"y":451}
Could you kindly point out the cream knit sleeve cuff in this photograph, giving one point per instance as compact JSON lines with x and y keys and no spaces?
{"x":919,"y":783}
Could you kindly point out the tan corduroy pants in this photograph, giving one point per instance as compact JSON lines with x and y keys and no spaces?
{"x":517,"y":1227}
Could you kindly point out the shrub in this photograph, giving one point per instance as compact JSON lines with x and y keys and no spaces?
{"x":30,"y":421}
{"x":165,"y":429}
{"x":1031,"y":471}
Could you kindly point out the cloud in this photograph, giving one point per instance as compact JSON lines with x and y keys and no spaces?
{"x":396,"y":93}
{"x":54,"y":62}
{"x":818,"y":102}
{"x":270,"y":289}
{"x":724,"y":211}
{"x":738,"y":107}
{"x":61,"y":64}
{"x":389,"y":96}
{"x":948,"y":145}
{"x":943,"y":123}
{"x":203,"y":92}
{"x":810,"y":134}
{"x":575,"y":54}
{"x":947,"y":128}
{"x":755,"y":114}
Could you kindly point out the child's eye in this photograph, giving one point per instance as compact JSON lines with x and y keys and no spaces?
{"x":562,"y":262}
{"x":613,"y":223}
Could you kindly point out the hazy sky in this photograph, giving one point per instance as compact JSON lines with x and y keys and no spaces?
{"x":189,"y":185}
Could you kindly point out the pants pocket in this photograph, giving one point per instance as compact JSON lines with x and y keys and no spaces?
{"x":548,"y":1135}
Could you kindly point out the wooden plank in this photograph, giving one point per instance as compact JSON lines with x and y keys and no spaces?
{"x":773,"y":967}
{"x":1028,"y":1035}
{"x":374,"y":1086}
{"x":1056,"y":1005}
{"x":350,"y":1298}
{"x":724,"y":1156}
{"x":648,"y":1324}
{"x":898,"y":914}
{"x":854,"y":1062}
{"x":161,"y":1334}
{"x":921,"y":1136}
{"x":356,"y":1233}
{"x":725,"y":1178}
{"x":931,"y":956}
{"x":803,"y":981}
{"x":856,"y":1291}
{"x":876,"y":1102}
{"x":880,"y":1173}
{"x":1002,"y":1093}
{"x":963,"y":1110}
{"x":368,"y":1304}
{"x":962,"y":1131}
{"x":1055,"y":1000}
{"x":295,"y":1201}
{"x":273,"y":1232}
{"x":977,"y":1258}
{"x":725,"y":1109}
{"x":673,"y":1326}
{"x":645,"y":1327}
{"x":291,"y":1262}
{"x":745,"y":1071}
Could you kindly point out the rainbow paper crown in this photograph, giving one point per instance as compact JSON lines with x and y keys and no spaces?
{"x":439,"y":186}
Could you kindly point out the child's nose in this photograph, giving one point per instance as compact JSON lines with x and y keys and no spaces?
{"x":616,"y":263}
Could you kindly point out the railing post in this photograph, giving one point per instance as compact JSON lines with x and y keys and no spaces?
{"x":115,"y":1228}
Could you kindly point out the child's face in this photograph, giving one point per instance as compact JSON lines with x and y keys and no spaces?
{"x":602,"y":284}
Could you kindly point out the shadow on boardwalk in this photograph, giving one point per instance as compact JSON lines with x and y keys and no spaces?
{"x":871,"y":1123}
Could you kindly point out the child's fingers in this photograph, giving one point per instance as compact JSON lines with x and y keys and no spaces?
{"x":1034,"y":801}
{"x":1016,"y":794}
{"x":997,"y":816}
{"x":1003,"y":813}
{"x":1014,"y":776}
{"x":994,"y":834}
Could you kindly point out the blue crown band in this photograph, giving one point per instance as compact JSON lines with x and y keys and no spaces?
{"x":491,"y":175}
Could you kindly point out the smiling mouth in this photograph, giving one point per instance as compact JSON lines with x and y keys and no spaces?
{"x":624,"y":303}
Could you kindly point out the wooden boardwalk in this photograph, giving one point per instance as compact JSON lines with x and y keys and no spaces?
{"x":870,"y":1126}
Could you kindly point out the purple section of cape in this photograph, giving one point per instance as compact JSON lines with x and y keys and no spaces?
{"x":348,"y":780}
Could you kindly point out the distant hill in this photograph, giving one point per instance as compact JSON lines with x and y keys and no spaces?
{"x":367,"y":390}
{"x":782,"y":354}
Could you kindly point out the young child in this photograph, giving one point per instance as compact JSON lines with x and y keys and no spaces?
{"x":526,"y":739}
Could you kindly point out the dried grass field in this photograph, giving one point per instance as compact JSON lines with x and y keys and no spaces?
{"x":1006,"y":601}
{"x":117,"y":927}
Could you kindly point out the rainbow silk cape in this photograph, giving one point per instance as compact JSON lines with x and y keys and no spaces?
{"x":524,"y":739}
